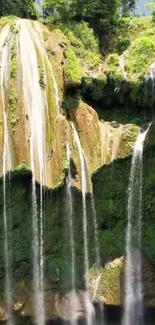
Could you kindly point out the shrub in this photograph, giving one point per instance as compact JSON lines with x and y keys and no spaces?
{"x":84,"y":42}
{"x":123,"y":44}
{"x":140,"y":57}
{"x":72,"y":70}
{"x":72,"y":101}
{"x":113,"y":60}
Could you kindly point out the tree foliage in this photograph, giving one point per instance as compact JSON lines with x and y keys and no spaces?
{"x":24,"y":8}
{"x":127,"y":6}
{"x":97,"y":12}
{"x":151,"y":6}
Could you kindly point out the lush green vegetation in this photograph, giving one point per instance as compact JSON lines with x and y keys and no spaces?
{"x":84,"y":43}
{"x":24,"y":8}
{"x":73,"y":70}
{"x":111,"y":205}
{"x":102,"y":15}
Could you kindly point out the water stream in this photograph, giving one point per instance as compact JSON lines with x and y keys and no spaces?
{"x":84,"y":191}
{"x":85,"y":186}
{"x":35,"y":102}
{"x":70,"y":212}
{"x":133,"y":305}
{"x":41,"y":46}
{"x":5,"y":44}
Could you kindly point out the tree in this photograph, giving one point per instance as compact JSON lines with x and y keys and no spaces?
{"x":151,"y":6}
{"x":23,"y":9}
{"x":98,"y":13}
{"x":128,"y":6}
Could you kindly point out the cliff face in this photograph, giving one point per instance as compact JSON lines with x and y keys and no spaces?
{"x":45,"y":82}
{"x":40,"y":83}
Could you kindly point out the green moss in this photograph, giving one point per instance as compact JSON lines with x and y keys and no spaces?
{"x":21,"y":170}
{"x":13,"y":100}
{"x":111,"y":194}
{"x":14,"y":63}
{"x":96,"y":88}
{"x":71,"y":101}
{"x":41,"y":78}
{"x":72,"y":70}
{"x":14,"y":121}
{"x":110,"y":282}
{"x":13,"y":67}
{"x":11,"y":20}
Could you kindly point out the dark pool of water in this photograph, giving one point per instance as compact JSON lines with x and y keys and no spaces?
{"x":112,"y":316}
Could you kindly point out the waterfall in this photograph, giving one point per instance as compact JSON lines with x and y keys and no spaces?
{"x":70,"y":205}
{"x":71,"y":228}
{"x":133,"y":305}
{"x":122,"y":66}
{"x":151,"y":77}
{"x":7,"y":165}
{"x":84,"y":186}
{"x":35,"y":102}
{"x":42,"y":50}
{"x":96,"y":241}
{"x":84,"y":191}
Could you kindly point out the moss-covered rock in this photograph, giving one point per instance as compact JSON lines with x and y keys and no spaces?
{"x":107,"y":284}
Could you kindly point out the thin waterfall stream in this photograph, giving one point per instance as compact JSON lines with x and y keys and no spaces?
{"x":85,"y":186}
{"x":70,"y":203}
{"x":84,"y":191}
{"x":133,"y":304}
{"x":7,"y":165}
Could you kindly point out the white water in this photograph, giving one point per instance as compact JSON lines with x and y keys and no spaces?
{"x":35,"y":103}
{"x":5,"y":66}
{"x":152,"y":76}
{"x":84,"y":191}
{"x":41,"y":46}
{"x":97,"y":250}
{"x":122,"y":67}
{"x":133,"y":306}
{"x":70,"y":203}
{"x":84,"y":186}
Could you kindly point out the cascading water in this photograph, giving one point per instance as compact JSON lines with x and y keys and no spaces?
{"x":5,"y":45}
{"x":152,"y":76}
{"x":40,"y":44}
{"x":133,"y":305}
{"x":150,"y":81}
{"x":35,"y":102}
{"x":84,"y":191}
{"x":84,"y":185}
{"x":96,"y":241}
{"x":70,"y":212}
{"x":122,"y":66}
